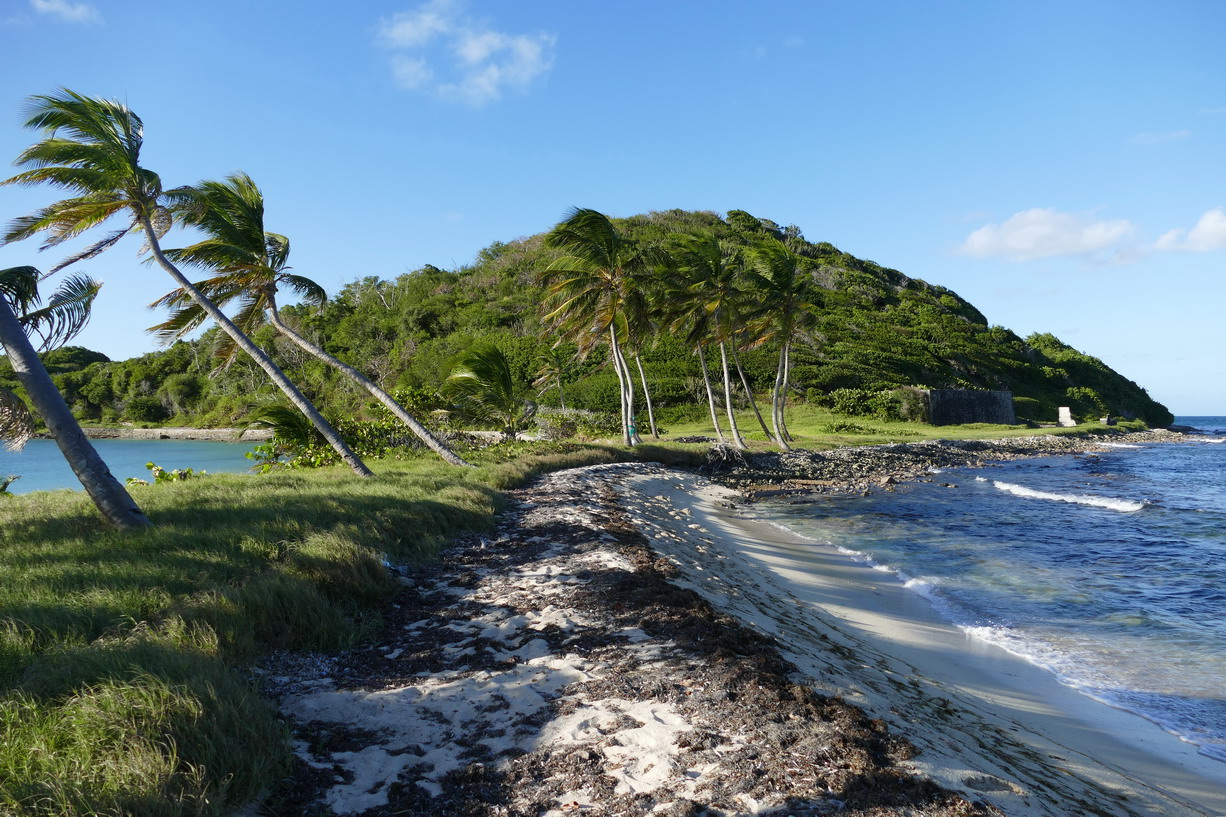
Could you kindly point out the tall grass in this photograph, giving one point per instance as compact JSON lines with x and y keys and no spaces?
{"x":118,"y":649}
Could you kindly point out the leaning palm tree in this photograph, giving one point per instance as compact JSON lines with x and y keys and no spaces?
{"x":249,"y":264}
{"x":65,"y":314}
{"x":785,"y":291}
{"x":594,"y":294}
{"x":91,"y":147}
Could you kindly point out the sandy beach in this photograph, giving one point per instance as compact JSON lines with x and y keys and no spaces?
{"x":987,"y":723}
{"x":632,"y":641}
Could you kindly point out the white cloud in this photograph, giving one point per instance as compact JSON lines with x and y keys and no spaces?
{"x":416,"y":28}
{"x":66,"y":11}
{"x":1046,"y":233}
{"x":1159,"y":138}
{"x":1208,"y":234}
{"x":460,"y":57}
{"x":410,"y":72}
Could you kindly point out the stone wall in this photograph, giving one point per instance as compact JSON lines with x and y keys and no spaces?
{"x":956,"y":406}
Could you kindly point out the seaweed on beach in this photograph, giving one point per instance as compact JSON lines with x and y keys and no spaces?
{"x":747,"y":737}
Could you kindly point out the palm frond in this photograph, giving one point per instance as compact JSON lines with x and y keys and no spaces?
{"x":16,"y":422}
{"x":67,"y":312}
{"x":306,"y":289}
{"x":92,"y":250}
{"x":181,"y":322}
{"x":288,"y":424}
{"x":20,"y":286}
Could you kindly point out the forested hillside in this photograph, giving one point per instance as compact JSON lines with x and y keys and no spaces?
{"x":872,"y":330}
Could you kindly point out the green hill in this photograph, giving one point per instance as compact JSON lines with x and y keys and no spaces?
{"x":877,"y":329}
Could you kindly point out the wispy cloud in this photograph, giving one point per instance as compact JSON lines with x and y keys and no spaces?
{"x":1160,"y":138}
{"x":1047,"y":233}
{"x":1212,"y":110}
{"x":1208,"y":234}
{"x":64,"y":11}
{"x":439,"y":47}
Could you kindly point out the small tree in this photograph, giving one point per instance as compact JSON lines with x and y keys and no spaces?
{"x":485,"y":391}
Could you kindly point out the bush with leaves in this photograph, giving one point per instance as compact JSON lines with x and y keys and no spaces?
{"x":161,"y":475}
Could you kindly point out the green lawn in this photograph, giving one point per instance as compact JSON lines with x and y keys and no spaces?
{"x":819,"y":429}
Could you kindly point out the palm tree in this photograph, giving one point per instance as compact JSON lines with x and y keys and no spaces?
{"x":555,"y":369}
{"x":485,"y":390}
{"x":713,"y":273}
{"x":249,"y":264}
{"x":91,"y":147}
{"x":781,"y":278}
{"x":594,"y":294}
{"x":66,"y":313}
{"x":685,"y":311}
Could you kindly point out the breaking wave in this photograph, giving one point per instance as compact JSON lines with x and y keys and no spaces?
{"x":1123,"y":505}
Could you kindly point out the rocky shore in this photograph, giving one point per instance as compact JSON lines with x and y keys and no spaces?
{"x":865,"y":468}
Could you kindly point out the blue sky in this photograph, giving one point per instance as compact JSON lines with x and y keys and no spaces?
{"x":1058,"y":164}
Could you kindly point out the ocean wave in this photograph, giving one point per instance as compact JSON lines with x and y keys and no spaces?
{"x":1119,"y":445}
{"x":1185,"y":720}
{"x":1212,"y":440}
{"x":1123,"y":505}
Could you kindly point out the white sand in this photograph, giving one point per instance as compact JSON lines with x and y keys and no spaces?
{"x":987,"y":723}
{"x":419,"y":730}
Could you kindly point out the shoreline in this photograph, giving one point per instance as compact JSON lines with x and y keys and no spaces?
{"x":596,"y":654}
{"x":862,"y":469}
{"x":988,"y":723}
{"x":221,"y":435}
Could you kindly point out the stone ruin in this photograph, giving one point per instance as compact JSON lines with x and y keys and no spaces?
{"x":957,"y":406}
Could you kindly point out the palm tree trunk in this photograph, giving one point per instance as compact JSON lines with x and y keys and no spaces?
{"x":362,"y":380}
{"x":732,"y":426}
{"x":651,"y":413}
{"x":257,"y":354}
{"x":108,"y":494}
{"x":736,"y":360}
{"x":783,"y":395}
{"x":706,"y":379}
{"x":777,"y":401}
{"x":631,"y":423}
{"x":615,"y":352}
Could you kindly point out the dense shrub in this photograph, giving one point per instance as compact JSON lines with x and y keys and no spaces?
{"x":145,"y":409}
{"x":855,"y":402}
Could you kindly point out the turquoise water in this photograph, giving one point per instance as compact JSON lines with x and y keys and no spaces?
{"x":1108,"y":570}
{"x":41,"y":466}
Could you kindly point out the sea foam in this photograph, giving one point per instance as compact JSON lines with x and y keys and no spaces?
{"x":1123,"y":505}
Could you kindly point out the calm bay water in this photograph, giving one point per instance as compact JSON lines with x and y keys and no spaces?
{"x":1108,"y":570}
{"x":42,"y":467}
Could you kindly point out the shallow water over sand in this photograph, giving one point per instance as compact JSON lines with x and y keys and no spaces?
{"x":41,"y":466}
{"x":1107,"y":570}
